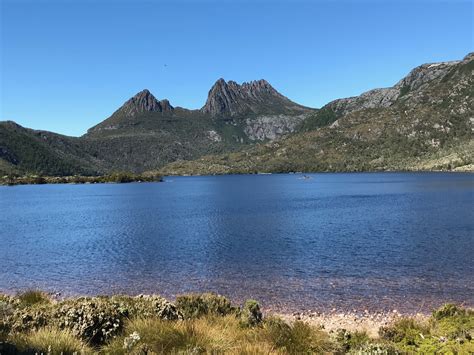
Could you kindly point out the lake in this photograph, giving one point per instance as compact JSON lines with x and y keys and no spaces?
{"x":377,"y":241}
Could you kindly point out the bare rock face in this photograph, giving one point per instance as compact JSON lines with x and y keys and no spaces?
{"x":142,"y":102}
{"x":271,"y":127}
{"x":256,"y":97}
{"x":424,"y":74}
{"x":370,"y":99}
{"x":416,"y":80}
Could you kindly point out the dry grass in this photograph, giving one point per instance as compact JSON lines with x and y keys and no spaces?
{"x":32,"y":297}
{"x":215,"y":334}
{"x":50,"y":341}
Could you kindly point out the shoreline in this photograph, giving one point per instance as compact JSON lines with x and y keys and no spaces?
{"x":328,"y":319}
{"x":358,"y":321}
{"x":121,"y":178}
{"x":33,"y":321}
{"x":114,"y":178}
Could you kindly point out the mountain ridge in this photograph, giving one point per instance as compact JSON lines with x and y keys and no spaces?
{"x":427,"y":111}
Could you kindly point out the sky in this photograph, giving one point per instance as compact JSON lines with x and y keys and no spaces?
{"x":66,"y":65}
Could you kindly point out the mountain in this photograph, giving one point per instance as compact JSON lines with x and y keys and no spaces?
{"x":424,"y":122}
{"x":24,"y":150}
{"x":146,"y":133}
{"x":229,"y":100}
{"x":141,"y":104}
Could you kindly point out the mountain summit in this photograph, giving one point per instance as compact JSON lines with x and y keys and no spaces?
{"x":144,"y":101}
{"x":254,"y":97}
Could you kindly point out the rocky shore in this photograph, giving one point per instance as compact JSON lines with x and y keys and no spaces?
{"x":365,"y":321}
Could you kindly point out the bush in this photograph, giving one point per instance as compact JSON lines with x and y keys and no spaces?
{"x":92,"y":320}
{"x":375,"y":349}
{"x":148,"y":306}
{"x":453,"y":322}
{"x":99,"y":319}
{"x":251,"y":314}
{"x":448,"y":310}
{"x":198,"y":305}
{"x":351,"y":341}
{"x":405,"y":330}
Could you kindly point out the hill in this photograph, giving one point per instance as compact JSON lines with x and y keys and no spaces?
{"x":424,"y":122}
{"x":146,"y":133}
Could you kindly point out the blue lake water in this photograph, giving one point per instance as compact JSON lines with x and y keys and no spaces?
{"x":378,"y":240}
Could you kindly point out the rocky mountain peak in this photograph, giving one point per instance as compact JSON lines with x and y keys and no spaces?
{"x":144,"y":101}
{"x":232,"y":99}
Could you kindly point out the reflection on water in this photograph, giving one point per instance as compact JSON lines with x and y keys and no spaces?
{"x":376,"y":241}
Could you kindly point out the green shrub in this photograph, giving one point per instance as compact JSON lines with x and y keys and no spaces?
{"x":92,"y":320}
{"x":448,"y":310}
{"x":29,"y":318}
{"x":405,"y":330}
{"x":375,"y":349}
{"x":198,"y":305}
{"x":148,"y":306}
{"x":453,"y":322}
{"x":351,"y":341}
{"x":99,"y":319}
{"x":251,"y":314}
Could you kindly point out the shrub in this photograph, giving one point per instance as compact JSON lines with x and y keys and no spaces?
{"x":351,"y":341}
{"x":448,"y":310}
{"x":93,"y":320}
{"x":148,"y":306}
{"x":29,"y":318}
{"x":453,"y":322}
{"x":198,"y":305}
{"x":101,"y":318}
{"x":405,"y":329}
{"x":375,"y":349}
{"x":251,"y":314}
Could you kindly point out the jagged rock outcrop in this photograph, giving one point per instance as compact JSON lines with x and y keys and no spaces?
{"x":142,"y":102}
{"x":229,"y":99}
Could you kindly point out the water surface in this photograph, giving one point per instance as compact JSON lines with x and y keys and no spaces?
{"x":377,"y":241}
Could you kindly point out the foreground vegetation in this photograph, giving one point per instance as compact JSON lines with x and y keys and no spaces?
{"x":207,"y":323}
{"x":76,"y":179}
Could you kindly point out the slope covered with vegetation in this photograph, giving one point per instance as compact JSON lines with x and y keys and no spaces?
{"x":423,"y":125}
{"x":207,"y":323}
{"x":24,"y":150}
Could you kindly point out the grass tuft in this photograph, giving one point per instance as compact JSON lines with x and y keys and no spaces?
{"x":33,"y":297}
{"x":50,"y":341}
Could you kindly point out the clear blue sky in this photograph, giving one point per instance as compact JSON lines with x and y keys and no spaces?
{"x":66,"y":65}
